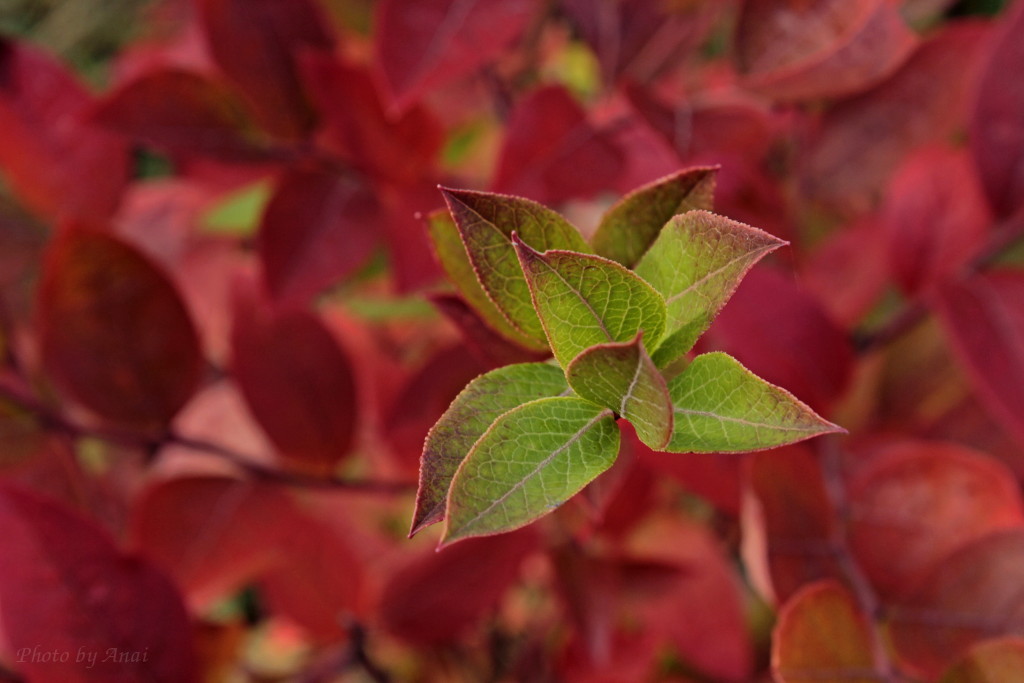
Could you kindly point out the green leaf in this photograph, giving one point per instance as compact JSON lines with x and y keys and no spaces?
{"x":239,"y":212}
{"x":586,"y":300}
{"x":472,"y":412}
{"x":629,"y":228}
{"x":621,"y":376}
{"x":531,"y":460}
{"x":721,"y":407}
{"x":486,"y":222}
{"x":696,"y":264}
{"x":453,"y":257}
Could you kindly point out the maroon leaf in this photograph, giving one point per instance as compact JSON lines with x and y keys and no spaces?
{"x":916,"y":502}
{"x":317,"y":229}
{"x":489,"y":347}
{"x":430,"y":43}
{"x":974,"y":594}
{"x":296,"y":379}
{"x":997,"y":122}
{"x":56,"y":162}
{"x":399,"y":148}
{"x":114,"y":332}
{"x":984,"y":320}
{"x":862,"y":139}
{"x":211,"y":534}
{"x":935,"y":216}
{"x":819,"y":48}
{"x":74,"y":609}
{"x":181,"y":111}
{"x":255,"y":43}
{"x":548,"y":143}
{"x":438,"y":596}
{"x":768,"y":317}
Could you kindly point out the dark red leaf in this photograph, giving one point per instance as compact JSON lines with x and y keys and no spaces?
{"x":984,"y":320}
{"x":862,"y":139}
{"x":114,"y":332}
{"x":438,"y":596}
{"x":916,"y":502}
{"x":399,"y":148}
{"x":935,"y":217}
{"x":769,"y":317}
{"x":74,"y":609}
{"x":548,"y":144}
{"x":317,"y":229}
{"x":975,"y":594}
{"x":256,"y":43}
{"x":181,"y":111}
{"x":430,"y":43}
{"x":55,"y":161}
{"x":213,"y":535}
{"x":819,"y":48}
{"x":296,"y":379}
{"x":489,"y":347}
{"x":997,"y":122}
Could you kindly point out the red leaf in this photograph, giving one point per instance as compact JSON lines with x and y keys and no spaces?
{"x":181,"y":111}
{"x":297,"y":381}
{"x":975,"y":594}
{"x":638,"y":39}
{"x":54,"y":160}
{"x":256,"y":43}
{"x":997,"y":122}
{"x":999,"y":659}
{"x":438,"y":596}
{"x":796,"y":516}
{"x":548,"y":142}
{"x":399,"y":148}
{"x":68,"y":599}
{"x":490,"y":348}
{"x":984,"y":321}
{"x":211,"y":534}
{"x":935,"y":216}
{"x":862,"y":139}
{"x":819,"y":48}
{"x":430,"y":43}
{"x":318,"y":228}
{"x":114,"y":332}
{"x":821,"y":635}
{"x":769,"y":317}
{"x":917,"y":501}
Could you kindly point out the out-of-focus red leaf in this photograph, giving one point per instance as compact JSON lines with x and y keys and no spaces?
{"x":429,"y":43}
{"x":318,"y":228}
{"x":256,"y":43}
{"x":935,"y":217}
{"x":408,"y":241}
{"x":399,"y":148}
{"x":490,"y":348}
{"x":296,"y":379}
{"x":767,"y":321}
{"x":918,"y":501}
{"x":424,"y":398}
{"x":438,"y":596}
{"x":548,"y":143}
{"x":181,"y":111}
{"x":975,"y":594}
{"x":66,"y":591}
{"x":717,"y":644}
{"x":863,"y":138}
{"x":632,"y":657}
{"x":984,"y":320}
{"x":819,"y":48}
{"x":114,"y":332}
{"x":997,"y":122}
{"x":990,"y":661}
{"x":54,"y":160}
{"x":796,"y":516}
{"x":212,"y":534}
{"x":638,"y":39}
{"x":821,"y":635}
{"x":848,"y":272}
